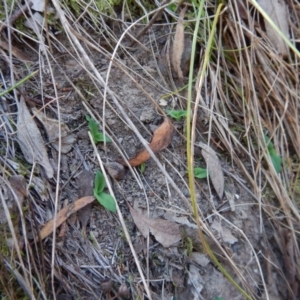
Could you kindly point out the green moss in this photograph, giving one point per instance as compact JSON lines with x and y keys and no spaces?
{"x":9,"y":3}
{"x":98,"y":6}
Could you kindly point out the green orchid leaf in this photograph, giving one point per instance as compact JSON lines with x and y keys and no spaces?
{"x":94,"y":129}
{"x":275,"y":158}
{"x":200,"y":173}
{"x":176,"y":114}
{"x":107,"y":201}
{"x":99,"y":183}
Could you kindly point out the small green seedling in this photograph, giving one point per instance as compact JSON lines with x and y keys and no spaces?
{"x":275,"y":158}
{"x":104,"y":199}
{"x":94,"y":129}
{"x":200,"y":173}
{"x":172,"y":7}
{"x":142,"y":167}
{"x":176,"y":114}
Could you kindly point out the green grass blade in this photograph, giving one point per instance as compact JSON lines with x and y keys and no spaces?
{"x":18,"y":83}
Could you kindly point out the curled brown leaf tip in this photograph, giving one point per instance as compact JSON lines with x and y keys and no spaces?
{"x":161,"y":139}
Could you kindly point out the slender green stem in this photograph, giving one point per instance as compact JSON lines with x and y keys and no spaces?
{"x":190,"y":146}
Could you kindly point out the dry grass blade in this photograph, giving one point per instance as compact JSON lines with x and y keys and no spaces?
{"x":258,"y":89}
{"x":246,"y":109}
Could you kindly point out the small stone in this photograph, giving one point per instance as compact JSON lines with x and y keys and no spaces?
{"x":115,"y":170}
{"x":163,"y":102}
{"x":147,"y":116}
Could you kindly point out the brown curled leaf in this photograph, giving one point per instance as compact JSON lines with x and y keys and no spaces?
{"x":64,"y":214}
{"x":161,"y":139}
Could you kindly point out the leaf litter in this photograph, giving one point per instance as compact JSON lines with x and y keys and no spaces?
{"x":165,"y":232}
{"x":214,"y":168}
{"x":52,"y":129}
{"x":178,"y":45}
{"x":277,"y":11}
{"x":132,"y":193}
{"x":30,"y":139}
{"x":85,"y":182}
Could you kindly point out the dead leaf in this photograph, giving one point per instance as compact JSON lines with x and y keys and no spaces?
{"x":18,"y":184}
{"x":199,"y":258}
{"x":224,"y":232}
{"x":30,"y":139}
{"x":35,"y":22}
{"x":214,"y":168}
{"x":20,"y":55}
{"x":162,"y":137}
{"x":19,"y":187}
{"x":195,"y":282}
{"x":64,"y":226}
{"x":64,"y":214}
{"x":85,"y":182}
{"x":178,"y":45}
{"x":165,"y":232}
{"x":277,"y":11}
{"x":38,"y":5}
{"x":51,"y":126}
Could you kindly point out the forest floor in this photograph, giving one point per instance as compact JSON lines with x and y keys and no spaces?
{"x":108,"y":76}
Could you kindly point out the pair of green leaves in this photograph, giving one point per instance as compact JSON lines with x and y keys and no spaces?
{"x":94,"y":129}
{"x":103,"y":198}
{"x":200,"y":173}
{"x":176,"y":114}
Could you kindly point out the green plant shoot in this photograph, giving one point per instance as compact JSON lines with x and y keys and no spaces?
{"x":96,"y":134}
{"x":200,"y":173}
{"x":142,"y":167}
{"x":176,"y":114}
{"x":104,"y":199}
{"x":275,"y":158}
